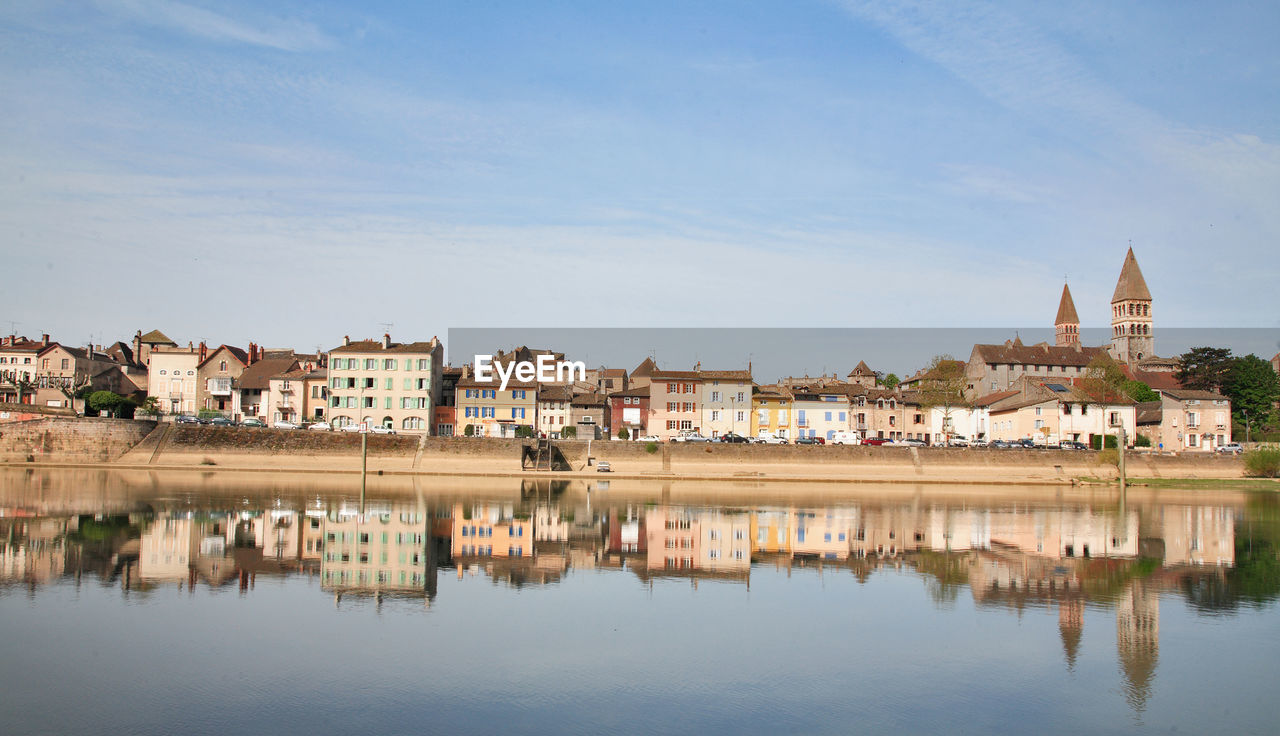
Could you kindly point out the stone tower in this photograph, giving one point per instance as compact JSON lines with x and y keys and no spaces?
{"x":1066,"y":325}
{"x":1131,"y":334}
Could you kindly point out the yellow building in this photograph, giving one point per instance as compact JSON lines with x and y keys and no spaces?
{"x":491,"y":411}
{"x":490,"y":530}
{"x":771,"y":412}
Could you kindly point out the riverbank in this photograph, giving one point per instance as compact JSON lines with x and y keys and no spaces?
{"x":124,"y":444}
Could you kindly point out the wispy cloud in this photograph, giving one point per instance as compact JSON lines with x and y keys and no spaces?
{"x":286,"y":35}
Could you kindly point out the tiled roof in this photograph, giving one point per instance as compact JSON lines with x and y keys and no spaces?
{"x":375,"y":346}
{"x":1014,"y":352}
{"x":555,"y":393}
{"x":156,"y":337}
{"x":1149,"y":412}
{"x":1158,"y":380}
{"x":861,"y":369}
{"x":257,"y":375}
{"x":1183,"y":394}
{"x":635,"y":391}
{"x":726,"y":375}
{"x":239,"y":354}
{"x":990,"y":399}
{"x":1131,"y":285}
{"x":646,"y":367}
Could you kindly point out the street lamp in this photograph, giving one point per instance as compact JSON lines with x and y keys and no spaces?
{"x":1247,"y":426}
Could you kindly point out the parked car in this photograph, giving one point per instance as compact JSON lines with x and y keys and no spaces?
{"x":911,"y":442}
{"x":221,"y":422}
{"x":1025,"y":443}
{"x":814,"y":440}
{"x":1072,"y":445}
{"x":957,"y":440}
{"x":602,"y":466}
{"x":282,"y":424}
{"x":321,"y":427}
{"x":734,"y":438}
{"x":253,"y":422}
{"x":846,"y":438}
{"x":977,"y":443}
{"x":1231,"y":448}
{"x":352,"y":427}
{"x":650,"y":438}
{"x":769,"y":439}
{"x":688,"y":435}
{"x":381,"y":429}
{"x":877,"y":441}
{"x":186,"y":419}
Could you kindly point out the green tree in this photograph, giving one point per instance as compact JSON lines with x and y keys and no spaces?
{"x":569,"y":433}
{"x":1204,"y":369}
{"x":469,"y":430}
{"x":890,"y":381}
{"x":1104,"y":380}
{"x":942,"y":387}
{"x":1139,"y":391}
{"x":108,"y":401}
{"x":1253,"y":387}
{"x":623,"y":434}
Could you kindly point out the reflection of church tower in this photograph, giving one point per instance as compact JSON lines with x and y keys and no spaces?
{"x":1138,"y":641}
{"x":1071,"y":628}
{"x":1131,"y":334}
{"x":1066,"y":325}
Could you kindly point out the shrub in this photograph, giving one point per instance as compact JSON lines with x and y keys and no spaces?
{"x":469,"y":430}
{"x":651,"y":447}
{"x":1096,"y":441}
{"x":208,"y":413}
{"x":623,"y":434}
{"x":1264,"y":462}
{"x":1142,"y":441}
{"x":569,"y":433}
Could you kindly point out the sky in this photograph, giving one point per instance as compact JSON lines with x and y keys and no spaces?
{"x":289,"y":173}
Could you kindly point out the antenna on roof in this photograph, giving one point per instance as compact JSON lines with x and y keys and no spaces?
{"x":13,"y":327}
{"x":386,"y":327}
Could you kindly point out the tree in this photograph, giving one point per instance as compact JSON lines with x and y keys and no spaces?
{"x":623,"y":434}
{"x":942,"y":387}
{"x":108,"y":401}
{"x":1104,"y":380}
{"x":1204,"y":369}
{"x":1139,"y":391}
{"x":568,"y":433}
{"x":73,"y":388}
{"x":890,"y":381}
{"x":469,"y":430}
{"x":1253,"y":387}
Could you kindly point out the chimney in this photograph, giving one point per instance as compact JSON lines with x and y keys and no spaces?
{"x":346,"y":340}
{"x":204,"y":351}
{"x":44,"y":339}
{"x":386,"y":341}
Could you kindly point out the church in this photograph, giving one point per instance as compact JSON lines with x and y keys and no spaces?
{"x":993,"y":368}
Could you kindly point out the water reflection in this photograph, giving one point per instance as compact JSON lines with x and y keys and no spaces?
{"x":1217,"y":557}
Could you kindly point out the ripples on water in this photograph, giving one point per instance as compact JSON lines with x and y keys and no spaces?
{"x":565,"y":611}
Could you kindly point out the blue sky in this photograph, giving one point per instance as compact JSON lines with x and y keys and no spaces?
{"x":290,"y":173}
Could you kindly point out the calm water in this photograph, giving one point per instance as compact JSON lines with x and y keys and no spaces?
{"x":136,"y":604}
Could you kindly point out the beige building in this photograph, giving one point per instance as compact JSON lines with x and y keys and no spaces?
{"x":171,"y":379}
{"x":1048,"y":412}
{"x":254,"y":387}
{"x":491,"y":411}
{"x":216,"y":376}
{"x":377,"y":553}
{"x":385,"y":383}
{"x":554,"y":410}
{"x":1188,"y":421}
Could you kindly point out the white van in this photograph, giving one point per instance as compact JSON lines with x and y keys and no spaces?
{"x":845,"y":437}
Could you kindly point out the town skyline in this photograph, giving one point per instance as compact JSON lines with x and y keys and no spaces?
{"x":888,"y":165}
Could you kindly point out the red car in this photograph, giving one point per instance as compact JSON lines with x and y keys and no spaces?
{"x":876,"y":441}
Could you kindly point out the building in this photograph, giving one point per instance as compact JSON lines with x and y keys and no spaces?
{"x":589,"y":416}
{"x":553,"y":410}
{"x":216,"y":376}
{"x":385,"y":383}
{"x":171,"y":379}
{"x":1187,"y":420}
{"x":726,"y":402}
{"x":1048,"y":412}
{"x":1132,"y":339}
{"x":771,"y":413}
{"x":993,"y":368}
{"x":1066,"y":325}
{"x":862,"y":375}
{"x":675,"y":398}
{"x":629,"y":410}
{"x":491,"y":411}
{"x":253,"y":387}
{"x":820,"y":412}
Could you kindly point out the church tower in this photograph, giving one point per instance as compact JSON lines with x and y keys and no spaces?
{"x":1131,"y":335}
{"x":1066,"y":325}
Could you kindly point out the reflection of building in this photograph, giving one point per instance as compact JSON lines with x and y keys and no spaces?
{"x":378,"y":553}
{"x":490,"y":530}
{"x":1138,"y":640}
{"x":168,"y":546}
{"x":691,"y":542}
{"x":1071,"y":627}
